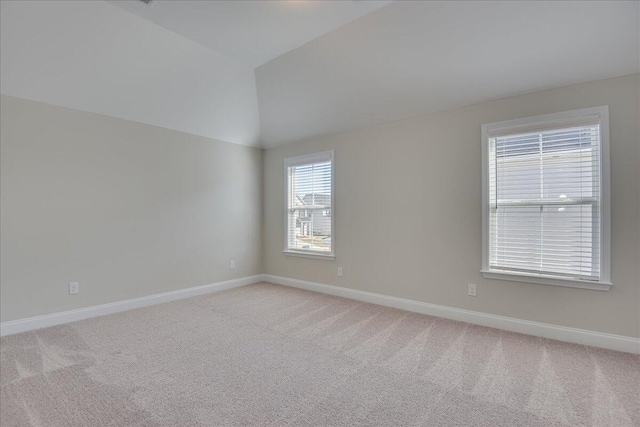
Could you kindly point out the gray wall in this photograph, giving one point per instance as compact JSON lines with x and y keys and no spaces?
{"x":408,"y":211}
{"x":130,"y":210}
{"x":124,"y":208}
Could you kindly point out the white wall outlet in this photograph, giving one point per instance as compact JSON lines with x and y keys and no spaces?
{"x":339,"y":271}
{"x":74,"y":288}
{"x":232,"y":265}
{"x":472,"y":289}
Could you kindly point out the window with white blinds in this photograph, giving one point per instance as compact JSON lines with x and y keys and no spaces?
{"x":545,"y":206}
{"x":309,"y":204}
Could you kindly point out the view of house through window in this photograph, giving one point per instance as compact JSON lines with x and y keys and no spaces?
{"x":309,"y":203}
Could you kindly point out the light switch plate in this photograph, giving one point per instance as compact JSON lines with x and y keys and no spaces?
{"x":74,"y":288}
{"x":472,"y":289}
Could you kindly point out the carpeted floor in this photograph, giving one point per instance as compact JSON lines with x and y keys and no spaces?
{"x":269,"y":355}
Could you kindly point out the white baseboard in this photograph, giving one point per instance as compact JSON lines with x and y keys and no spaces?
{"x":545,"y":330}
{"x":561,"y":333}
{"x":31,"y":323}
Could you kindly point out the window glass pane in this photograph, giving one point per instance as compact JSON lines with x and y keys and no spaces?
{"x":309,"y":207}
{"x":545,"y":202}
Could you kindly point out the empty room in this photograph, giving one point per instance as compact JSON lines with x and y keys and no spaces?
{"x":319,"y":213}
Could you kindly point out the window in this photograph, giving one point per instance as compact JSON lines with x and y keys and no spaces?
{"x":546,"y":199}
{"x":309,"y":201}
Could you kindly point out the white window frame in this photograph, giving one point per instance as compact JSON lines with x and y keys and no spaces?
{"x":559,"y":119}
{"x":309,"y":158}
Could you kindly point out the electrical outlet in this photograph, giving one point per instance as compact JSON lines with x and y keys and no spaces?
{"x":232,"y":265}
{"x":339,"y":271}
{"x":472,"y":289}
{"x":74,"y":288}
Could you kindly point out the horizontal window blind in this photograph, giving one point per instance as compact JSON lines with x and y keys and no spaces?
{"x":309,"y":204}
{"x":545,"y":201}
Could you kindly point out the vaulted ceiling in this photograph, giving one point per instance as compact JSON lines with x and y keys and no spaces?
{"x":93,"y":56}
{"x":411,"y":58}
{"x":273,"y":72}
{"x":252,"y":32}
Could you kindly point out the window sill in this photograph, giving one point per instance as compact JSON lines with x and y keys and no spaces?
{"x":547,"y":280}
{"x":328,"y":257}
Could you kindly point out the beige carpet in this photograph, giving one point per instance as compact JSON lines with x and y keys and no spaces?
{"x":274,"y":356}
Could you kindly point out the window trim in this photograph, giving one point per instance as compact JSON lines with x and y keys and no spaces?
{"x":555,"y":119}
{"x":304,"y":159}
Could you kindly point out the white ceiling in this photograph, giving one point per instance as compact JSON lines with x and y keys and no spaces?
{"x":412,"y":58}
{"x":93,"y":56}
{"x":333,"y":65}
{"x":252,"y":32}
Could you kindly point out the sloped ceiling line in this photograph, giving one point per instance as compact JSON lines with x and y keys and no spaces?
{"x":324,"y":66}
